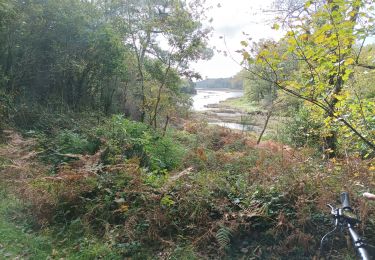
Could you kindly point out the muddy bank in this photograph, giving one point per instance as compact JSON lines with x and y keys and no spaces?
{"x":228,"y":108}
{"x":232,"y":117}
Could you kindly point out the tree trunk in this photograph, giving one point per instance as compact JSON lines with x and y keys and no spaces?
{"x":269,"y":113}
{"x":140,"y":55}
{"x":81,"y":84}
{"x":159,"y":94}
{"x":330,"y":145}
{"x":166,"y":125}
{"x":330,"y":141}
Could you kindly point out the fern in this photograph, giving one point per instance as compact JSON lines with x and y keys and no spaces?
{"x":223,"y":236}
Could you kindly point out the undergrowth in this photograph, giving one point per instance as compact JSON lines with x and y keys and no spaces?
{"x":18,"y":239}
{"x":201,"y":192}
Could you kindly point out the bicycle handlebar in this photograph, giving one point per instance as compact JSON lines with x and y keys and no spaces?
{"x":345,"y":218}
{"x":345,"y":200}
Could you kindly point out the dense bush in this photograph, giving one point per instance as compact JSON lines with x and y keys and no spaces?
{"x":235,"y":199}
{"x":129,"y":139}
{"x":71,"y":142}
{"x":5,"y":106}
{"x":301,"y":130}
{"x":63,"y":145}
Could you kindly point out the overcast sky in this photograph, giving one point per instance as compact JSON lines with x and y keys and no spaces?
{"x":230,"y":20}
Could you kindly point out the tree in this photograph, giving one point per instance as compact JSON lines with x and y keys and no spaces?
{"x":188,"y":86}
{"x":169,"y":31}
{"x":106,"y":56}
{"x":263,"y":90}
{"x":320,"y":39}
{"x":60,"y":54}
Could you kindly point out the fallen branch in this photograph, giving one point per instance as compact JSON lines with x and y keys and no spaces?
{"x":70,"y":155}
{"x":179,"y":175}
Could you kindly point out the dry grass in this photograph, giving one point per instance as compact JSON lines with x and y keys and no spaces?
{"x":248,"y":189}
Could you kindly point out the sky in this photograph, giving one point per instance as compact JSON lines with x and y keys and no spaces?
{"x":230,"y":21}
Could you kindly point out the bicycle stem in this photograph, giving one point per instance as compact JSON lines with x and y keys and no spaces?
{"x":358,"y":243}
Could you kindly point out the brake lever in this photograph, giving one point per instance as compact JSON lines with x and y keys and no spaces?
{"x":333,"y":209}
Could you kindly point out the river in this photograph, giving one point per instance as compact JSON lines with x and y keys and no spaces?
{"x":205,"y":97}
{"x":205,"y":103}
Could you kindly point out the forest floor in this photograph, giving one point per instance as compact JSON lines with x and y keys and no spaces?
{"x":17,"y":165}
{"x":20,"y":236}
{"x":227,"y":199}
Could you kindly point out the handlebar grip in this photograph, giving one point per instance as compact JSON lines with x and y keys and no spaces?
{"x":345,"y":200}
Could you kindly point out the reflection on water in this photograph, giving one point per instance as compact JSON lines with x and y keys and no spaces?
{"x":242,"y":127}
{"x":206,"y":97}
{"x":233,"y":126}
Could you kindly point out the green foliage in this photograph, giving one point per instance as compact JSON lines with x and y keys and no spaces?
{"x":5,"y":107}
{"x":223,"y":236}
{"x":184,"y":253}
{"x":70,"y":142}
{"x":242,"y":103}
{"x":167,"y":201}
{"x":301,"y":130}
{"x":19,"y":240}
{"x":188,"y":87}
{"x":63,"y":56}
{"x":270,"y":197}
{"x":259,"y":89}
{"x":362,"y":78}
{"x":156,"y":178}
{"x":315,"y":62}
{"x":159,"y":65}
{"x":14,"y":240}
{"x":174,"y":194}
{"x":55,"y":146}
{"x":128,"y":139}
{"x":41,"y":66}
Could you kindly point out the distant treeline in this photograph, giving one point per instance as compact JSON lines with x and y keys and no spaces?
{"x":188,"y":87}
{"x":232,"y":83}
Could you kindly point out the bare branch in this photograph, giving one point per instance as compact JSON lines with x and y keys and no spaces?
{"x":366,"y":66}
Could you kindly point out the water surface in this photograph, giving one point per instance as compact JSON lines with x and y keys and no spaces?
{"x":217,"y":116}
{"x":206,"y":97}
